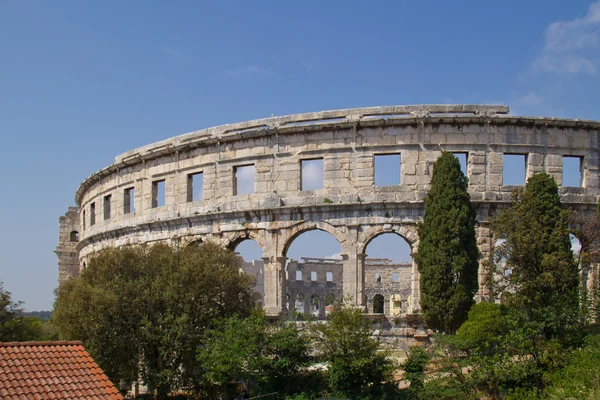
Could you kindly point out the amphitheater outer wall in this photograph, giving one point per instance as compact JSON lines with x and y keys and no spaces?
{"x":349,"y":206}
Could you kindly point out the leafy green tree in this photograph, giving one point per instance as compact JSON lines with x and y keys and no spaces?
{"x":414,"y":368}
{"x":272,"y":357}
{"x":588,"y":233}
{"x":534,"y":267}
{"x":447,"y":254}
{"x":514,"y":349}
{"x":143,"y":311}
{"x":15,"y":326}
{"x":9,"y":312}
{"x":356,"y":368}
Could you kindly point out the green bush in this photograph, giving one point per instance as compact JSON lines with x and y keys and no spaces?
{"x":580,"y":379}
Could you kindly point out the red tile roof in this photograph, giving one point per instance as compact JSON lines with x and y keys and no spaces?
{"x":52,"y":370}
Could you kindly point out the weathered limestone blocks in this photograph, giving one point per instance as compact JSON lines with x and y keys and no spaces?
{"x":350,"y":203}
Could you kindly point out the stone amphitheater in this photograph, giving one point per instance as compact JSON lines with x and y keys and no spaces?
{"x":187,"y":188}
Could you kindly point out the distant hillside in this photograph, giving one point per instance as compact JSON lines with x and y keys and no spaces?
{"x":45,"y":315}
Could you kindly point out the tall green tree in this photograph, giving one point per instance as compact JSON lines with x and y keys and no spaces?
{"x":143,"y":311}
{"x":534,"y":267}
{"x":447,"y":254}
{"x":356,"y":368}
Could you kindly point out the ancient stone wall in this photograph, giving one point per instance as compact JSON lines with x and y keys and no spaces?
{"x":68,"y":237}
{"x":119,"y":204}
{"x":256,"y":268}
{"x":313,"y":284}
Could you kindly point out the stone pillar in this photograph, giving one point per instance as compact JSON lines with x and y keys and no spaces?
{"x":275,"y":298}
{"x":414,"y":306}
{"x":592,"y":286}
{"x":485,"y":247}
{"x":353,"y":274}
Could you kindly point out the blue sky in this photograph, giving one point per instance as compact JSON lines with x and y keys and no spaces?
{"x":81,"y":82}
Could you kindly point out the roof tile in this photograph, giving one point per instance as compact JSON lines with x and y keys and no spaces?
{"x":52,"y":370}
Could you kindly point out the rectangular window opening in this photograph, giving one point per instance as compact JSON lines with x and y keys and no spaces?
{"x":195,"y":187}
{"x":572,"y":171}
{"x":128,"y":201}
{"x":312,"y":174}
{"x":243,"y":179}
{"x":329,"y":276}
{"x":92,"y":214}
{"x":158,"y":193}
{"x":83,"y":216}
{"x":107,"y":207}
{"x":514,"y":168}
{"x":377,"y":277}
{"x":298,"y":275}
{"x":462,"y":159}
{"x":313,"y":276}
{"x":387,"y":169}
{"x":395,"y":277}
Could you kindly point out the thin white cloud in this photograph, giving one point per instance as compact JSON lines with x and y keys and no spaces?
{"x":572,"y":46}
{"x":531,"y":99}
{"x":336,"y":256}
{"x":248,"y":70}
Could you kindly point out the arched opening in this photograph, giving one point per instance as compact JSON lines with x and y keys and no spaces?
{"x":585,"y":268}
{"x":314,"y":267}
{"x":314,"y":305}
{"x":258,"y":300}
{"x":378,"y":304}
{"x":248,"y":249}
{"x":500,"y":258}
{"x":251,"y":253}
{"x":74,"y":236}
{"x":329,"y":303}
{"x":194,"y":243}
{"x":388,"y":272}
{"x":314,"y":243}
{"x":575,"y":246}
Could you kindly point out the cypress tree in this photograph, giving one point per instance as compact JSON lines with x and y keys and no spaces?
{"x":540,"y":276}
{"x":447,"y":254}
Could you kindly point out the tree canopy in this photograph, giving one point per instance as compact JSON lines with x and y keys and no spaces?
{"x":272,"y":357}
{"x":447,"y":254}
{"x":356,"y":368}
{"x":533,"y":341}
{"x":143,"y":311}
{"x":533,"y":267}
{"x":16,"y":326}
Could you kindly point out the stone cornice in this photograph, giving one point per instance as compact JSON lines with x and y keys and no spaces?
{"x":335,"y":119}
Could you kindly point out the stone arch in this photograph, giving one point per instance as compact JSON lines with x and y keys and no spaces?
{"x":314,"y":305}
{"x":194,"y":241}
{"x":290,"y":234}
{"x":231,"y":240}
{"x":74,"y":236}
{"x":408,"y":233}
{"x":378,"y":304}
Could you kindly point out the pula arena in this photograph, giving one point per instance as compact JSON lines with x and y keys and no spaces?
{"x":186,"y":189}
